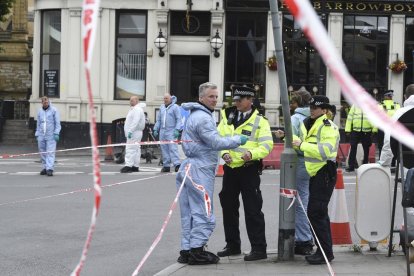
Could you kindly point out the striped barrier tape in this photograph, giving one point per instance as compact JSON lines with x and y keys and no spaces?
{"x":147,"y":143}
{"x":167,"y":219}
{"x":90,"y":11}
{"x":85,"y":190}
{"x":353,"y":92}
{"x":289,"y":193}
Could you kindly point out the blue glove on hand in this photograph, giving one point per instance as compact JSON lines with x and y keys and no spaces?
{"x":129,"y":135}
{"x":56,"y":137}
{"x":155,"y":133}
{"x":243,"y":139}
{"x":176,"y":133}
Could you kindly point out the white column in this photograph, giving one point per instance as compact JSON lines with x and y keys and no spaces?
{"x":333,"y":89}
{"x":272,"y":97}
{"x":397,"y":31}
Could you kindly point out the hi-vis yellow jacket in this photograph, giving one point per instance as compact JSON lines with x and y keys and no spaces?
{"x":358,"y":121}
{"x":390,"y":106}
{"x":256,"y":127}
{"x":319,"y":144}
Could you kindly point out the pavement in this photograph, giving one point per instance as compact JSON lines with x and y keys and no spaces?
{"x":349,"y":260}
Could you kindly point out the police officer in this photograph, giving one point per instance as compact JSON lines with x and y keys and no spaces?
{"x":360,"y":130}
{"x":319,"y":143}
{"x":389,"y":107}
{"x":242,"y":174}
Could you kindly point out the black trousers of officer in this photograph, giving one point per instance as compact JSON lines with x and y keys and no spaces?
{"x":321,"y":187}
{"x":244,"y":180}
{"x":359,"y":137}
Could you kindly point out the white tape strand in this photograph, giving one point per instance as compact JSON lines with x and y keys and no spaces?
{"x":353,"y":92}
{"x":80,"y":190}
{"x":167,"y":219}
{"x":147,"y":143}
{"x":331,"y":271}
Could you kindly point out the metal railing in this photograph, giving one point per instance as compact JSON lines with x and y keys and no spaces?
{"x":131,"y":66}
{"x":21,"y":110}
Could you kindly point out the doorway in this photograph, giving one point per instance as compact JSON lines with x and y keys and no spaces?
{"x":187,"y":73}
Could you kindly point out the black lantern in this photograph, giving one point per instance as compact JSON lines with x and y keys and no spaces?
{"x":216,"y":43}
{"x":160,"y":42}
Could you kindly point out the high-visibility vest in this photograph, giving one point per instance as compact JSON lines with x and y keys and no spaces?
{"x":390,"y":107}
{"x":257,"y":128}
{"x":319,"y":144}
{"x":358,"y":121}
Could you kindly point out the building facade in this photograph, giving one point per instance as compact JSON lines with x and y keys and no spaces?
{"x":15,"y":63}
{"x":369,"y":34}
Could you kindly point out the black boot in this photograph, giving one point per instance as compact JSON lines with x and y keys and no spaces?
{"x":198,"y":256}
{"x":228,"y":251}
{"x":184,"y":254}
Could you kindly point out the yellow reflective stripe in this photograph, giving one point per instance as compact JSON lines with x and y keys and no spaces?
{"x":239,"y":149}
{"x":254,"y":128}
{"x":269,"y":148}
{"x":265,"y":138}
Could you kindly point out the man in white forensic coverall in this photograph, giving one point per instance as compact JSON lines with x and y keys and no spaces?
{"x":134,"y":125}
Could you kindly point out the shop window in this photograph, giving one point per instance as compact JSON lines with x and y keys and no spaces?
{"x":131,"y":55}
{"x":409,"y":51}
{"x":365,"y":44}
{"x":246,"y":51}
{"x":50,"y":53}
{"x":304,"y":66}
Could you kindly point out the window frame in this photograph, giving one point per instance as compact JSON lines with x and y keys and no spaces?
{"x":376,"y":42}
{"x":41,"y":73}
{"x":119,"y":35}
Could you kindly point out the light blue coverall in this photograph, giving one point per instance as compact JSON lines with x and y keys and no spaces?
{"x":48,"y":125}
{"x":196,"y":200}
{"x":302,"y":228}
{"x":168,"y":120}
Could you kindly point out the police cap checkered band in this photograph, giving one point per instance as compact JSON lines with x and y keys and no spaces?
{"x":242,"y":91}
{"x":389,"y":93}
{"x":320,"y":101}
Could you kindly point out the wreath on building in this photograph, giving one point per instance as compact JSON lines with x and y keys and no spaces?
{"x":398,"y":66}
{"x":271,"y":63}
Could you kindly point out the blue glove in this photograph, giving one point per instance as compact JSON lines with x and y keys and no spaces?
{"x":243,"y":139}
{"x":56,"y":137}
{"x":129,"y":135}
{"x":176,"y":133}
{"x":155,"y":133}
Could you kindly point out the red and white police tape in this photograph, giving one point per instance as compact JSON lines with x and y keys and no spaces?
{"x":293,"y":194}
{"x":80,"y":190}
{"x":148,"y":143}
{"x":167,"y":219}
{"x":90,"y":10}
{"x":353,"y":92}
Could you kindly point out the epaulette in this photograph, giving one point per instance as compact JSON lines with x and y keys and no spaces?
{"x":326,"y":122}
{"x":261,"y":115}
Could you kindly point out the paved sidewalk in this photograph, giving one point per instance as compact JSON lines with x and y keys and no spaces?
{"x":347,"y":262}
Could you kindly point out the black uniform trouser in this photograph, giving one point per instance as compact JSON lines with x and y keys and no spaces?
{"x":321,"y":187}
{"x":244,"y":180}
{"x":359,"y":137}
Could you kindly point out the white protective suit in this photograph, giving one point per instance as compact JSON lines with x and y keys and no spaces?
{"x":386,"y":152}
{"x":134,"y":124}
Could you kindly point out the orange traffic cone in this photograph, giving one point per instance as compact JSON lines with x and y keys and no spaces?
{"x":338,"y":213}
{"x":220,"y":170}
{"x":108,"y":150}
